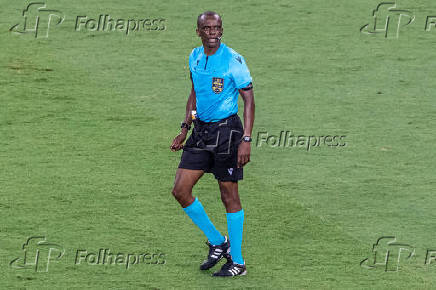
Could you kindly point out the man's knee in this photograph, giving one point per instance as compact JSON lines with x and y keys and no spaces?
{"x":229,"y":195}
{"x":180,"y":191}
{"x":229,"y":200}
{"x":182,"y":194}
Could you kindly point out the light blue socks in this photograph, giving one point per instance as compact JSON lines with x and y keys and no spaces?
{"x":197,"y":214}
{"x":235,"y":223}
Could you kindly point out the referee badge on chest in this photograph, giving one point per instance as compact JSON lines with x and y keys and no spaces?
{"x":217,"y":85}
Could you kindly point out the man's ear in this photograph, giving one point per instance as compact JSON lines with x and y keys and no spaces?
{"x":198,"y":32}
{"x":221,"y":34}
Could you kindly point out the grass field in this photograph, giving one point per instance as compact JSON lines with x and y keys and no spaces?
{"x":87,"y":118}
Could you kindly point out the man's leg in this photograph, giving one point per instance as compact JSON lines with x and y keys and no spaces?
{"x":182,"y":191}
{"x":235,"y":218}
{"x":183,"y":184}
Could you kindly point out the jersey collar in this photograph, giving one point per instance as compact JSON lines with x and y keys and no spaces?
{"x":217,"y":52}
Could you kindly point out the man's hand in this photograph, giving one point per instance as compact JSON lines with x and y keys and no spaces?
{"x":244,"y":150}
{"x":178,"y":141}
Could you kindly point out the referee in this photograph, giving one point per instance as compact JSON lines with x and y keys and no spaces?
{"x":219,"y":144}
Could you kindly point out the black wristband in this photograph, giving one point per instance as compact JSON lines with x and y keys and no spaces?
{"x":185,"y":125}
{"x":249,"y":87}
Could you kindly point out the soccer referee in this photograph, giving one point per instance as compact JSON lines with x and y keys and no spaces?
{"x":219,"y":144}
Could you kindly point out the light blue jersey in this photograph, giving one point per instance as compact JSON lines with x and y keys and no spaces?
{"x":217,"y":79}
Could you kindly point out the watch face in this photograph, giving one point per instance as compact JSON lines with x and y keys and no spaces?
{"x":247,"y":139}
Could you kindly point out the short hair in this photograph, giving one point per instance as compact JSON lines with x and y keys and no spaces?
{"x":206,"y":14}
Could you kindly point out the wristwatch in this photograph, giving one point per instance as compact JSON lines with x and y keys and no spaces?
{"x":246,"y":139}
{"x":185,"y":125}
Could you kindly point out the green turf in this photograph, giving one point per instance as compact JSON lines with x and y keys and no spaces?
{"x":86,"y":120}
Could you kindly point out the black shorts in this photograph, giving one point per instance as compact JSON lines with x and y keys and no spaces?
{"x":213,"y":147}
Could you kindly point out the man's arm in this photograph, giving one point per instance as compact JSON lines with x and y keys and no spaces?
{"x":190,"y":105}
{"x":249,"y":108}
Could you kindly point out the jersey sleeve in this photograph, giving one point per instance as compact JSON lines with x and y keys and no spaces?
{"x":191,"y":59}
{"x":239,"y":71}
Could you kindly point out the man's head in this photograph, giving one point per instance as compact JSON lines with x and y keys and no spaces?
{"x":209,"y":28}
